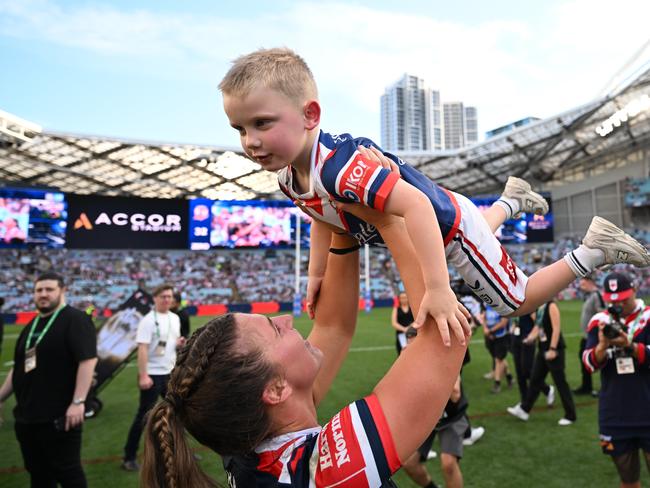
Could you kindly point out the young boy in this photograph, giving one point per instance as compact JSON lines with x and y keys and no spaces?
{"x":271,"y":99}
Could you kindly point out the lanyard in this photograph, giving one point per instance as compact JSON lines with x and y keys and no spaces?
{"x":169,"y":324}
{"x":42,"y":334}
{"x":631,"y":328}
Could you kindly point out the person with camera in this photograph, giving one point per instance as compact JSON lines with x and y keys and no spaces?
{"x":618,"y":344}
{"x":54,"y":361}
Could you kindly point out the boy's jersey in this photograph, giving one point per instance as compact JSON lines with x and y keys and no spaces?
{"x":340,"y":173}
{"x":624,"y":399}
{"x":354,"y":449}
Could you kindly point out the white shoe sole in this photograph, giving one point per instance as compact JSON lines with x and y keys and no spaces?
{"x":618,"y":246}
{"x":529,"y":201}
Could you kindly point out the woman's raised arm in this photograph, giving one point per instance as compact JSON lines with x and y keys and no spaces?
{"x":336,"y":312}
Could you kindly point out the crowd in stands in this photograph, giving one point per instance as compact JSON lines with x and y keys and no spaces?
{"x":107,"y":278}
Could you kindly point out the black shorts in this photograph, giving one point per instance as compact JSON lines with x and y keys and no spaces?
{"x":615,"y":446}
{"x":500,"y":347}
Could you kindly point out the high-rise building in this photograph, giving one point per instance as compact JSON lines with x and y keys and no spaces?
{"x":461,"y":125}
{"x":410,"y":116}
{"x":412,"y":119}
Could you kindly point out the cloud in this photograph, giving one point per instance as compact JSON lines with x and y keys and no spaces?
{"x":508,"y":69}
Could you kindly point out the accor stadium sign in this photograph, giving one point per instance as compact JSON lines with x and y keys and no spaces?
{"x":99,"y":222}
{"x":139,"y":222}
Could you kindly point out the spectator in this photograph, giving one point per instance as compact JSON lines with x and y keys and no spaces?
{"x":593,"y":303}
{"x":550,"y":357}
{"x":183,"y":316}
{"x":158,"y":337}
{"x":401,"y":319}
{"x":54,"y":361}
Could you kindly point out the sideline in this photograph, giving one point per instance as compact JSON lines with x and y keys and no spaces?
{"x":352,"y":349}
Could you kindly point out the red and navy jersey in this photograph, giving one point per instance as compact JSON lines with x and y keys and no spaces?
{"x":624,"y":398}
{"x":340,"y":173}
{"x":354,"y":449}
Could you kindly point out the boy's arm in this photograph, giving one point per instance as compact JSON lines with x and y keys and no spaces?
{"x":422,"y":226}
{"x":320,"y":239}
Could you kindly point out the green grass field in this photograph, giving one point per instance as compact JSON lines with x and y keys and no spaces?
{"x":512,"y":453}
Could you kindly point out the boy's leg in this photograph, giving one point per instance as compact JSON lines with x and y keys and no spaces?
{"x":517,"y":197}
{"x":603,"y":244}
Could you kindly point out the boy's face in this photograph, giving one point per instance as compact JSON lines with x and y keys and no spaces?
{"x":272,"y":130}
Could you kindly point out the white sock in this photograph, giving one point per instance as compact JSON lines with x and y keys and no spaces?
{"x":584,"y":260}
{"x":510,"y":205}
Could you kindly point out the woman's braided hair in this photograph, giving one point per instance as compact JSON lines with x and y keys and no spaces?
{"x":215,"y":393}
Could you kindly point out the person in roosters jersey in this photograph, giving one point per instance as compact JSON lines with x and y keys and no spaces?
{"x":622,"y":355}
{"x":248,"y":387}
{"x":271,"y":99}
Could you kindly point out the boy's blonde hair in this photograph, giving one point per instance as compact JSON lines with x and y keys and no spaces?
{"x":280,"y":69}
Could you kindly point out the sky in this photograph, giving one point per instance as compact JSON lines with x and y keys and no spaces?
{"x":149,"y":70}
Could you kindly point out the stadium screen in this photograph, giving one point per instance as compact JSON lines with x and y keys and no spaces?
{"x":245,"y":224}
{"x":637,"y":192}
{"x":529,"y":228}
{"x":30,"y":218}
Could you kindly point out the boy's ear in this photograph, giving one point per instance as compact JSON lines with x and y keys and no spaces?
{"x":311,"y":112}
{"x":276,"y":391}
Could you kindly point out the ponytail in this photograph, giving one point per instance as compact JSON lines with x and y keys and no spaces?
{"x":168,"y":460}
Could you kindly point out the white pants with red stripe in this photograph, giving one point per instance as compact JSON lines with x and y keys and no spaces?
{"x":483,"y":263}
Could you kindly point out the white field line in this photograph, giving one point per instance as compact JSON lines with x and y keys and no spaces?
{"x":352,"y":349}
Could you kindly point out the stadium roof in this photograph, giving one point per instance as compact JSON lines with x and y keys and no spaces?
{"x":567,"y":144}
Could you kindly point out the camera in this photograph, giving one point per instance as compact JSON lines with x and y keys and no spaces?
{"x":613,"y":329}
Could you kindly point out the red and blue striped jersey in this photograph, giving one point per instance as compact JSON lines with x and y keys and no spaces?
{"x":354,"y":449}
{"x":340,"y":173}
{"x":624,"y":399}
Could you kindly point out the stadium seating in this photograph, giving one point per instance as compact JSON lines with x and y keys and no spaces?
{"x":106,"y":278}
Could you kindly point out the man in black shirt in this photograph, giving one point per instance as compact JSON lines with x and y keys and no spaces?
{"x":182,"y":314}
{"x":54,"y":361}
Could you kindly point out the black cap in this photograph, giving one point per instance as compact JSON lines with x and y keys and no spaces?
{"x":618,"y":287}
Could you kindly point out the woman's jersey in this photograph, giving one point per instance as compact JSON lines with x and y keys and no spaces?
{"x":354,"y":449}
{"x":340,"y":173}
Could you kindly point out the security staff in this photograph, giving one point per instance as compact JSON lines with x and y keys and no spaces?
{"x":54,"y":361}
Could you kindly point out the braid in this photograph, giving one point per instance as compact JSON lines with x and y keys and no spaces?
{"x":185,"y":376}
{"x":165,"y":438}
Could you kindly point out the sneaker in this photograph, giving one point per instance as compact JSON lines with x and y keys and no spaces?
{"x":489,"y":375}
{"x":595,"y":393}
{"x":495,"y":389}
{"x":564,"y":422}
{"x":617,"y":246}
{"x":432,"y":455}
{"x":477,"y":433}
{"x":518,"y":412}
{"x":550,"y":398}
{"x":529,"y":201}
{"x":130,"y":465}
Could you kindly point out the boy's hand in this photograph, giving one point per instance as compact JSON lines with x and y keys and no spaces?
{"x":373,"y":154}
{"x":313,"y":288}
{"x":442,"y":305}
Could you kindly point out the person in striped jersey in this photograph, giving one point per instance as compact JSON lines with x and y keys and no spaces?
{"x":248,"y":387}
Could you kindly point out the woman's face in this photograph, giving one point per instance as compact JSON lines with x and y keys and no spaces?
{"x":297,"y":360}
{"x":403,"y":300}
